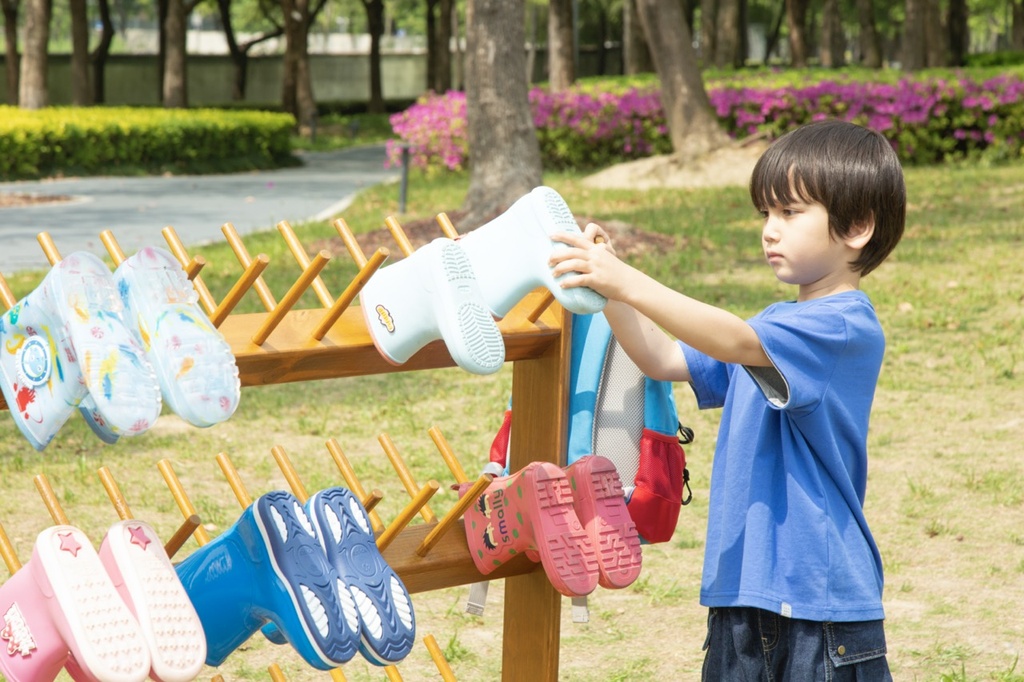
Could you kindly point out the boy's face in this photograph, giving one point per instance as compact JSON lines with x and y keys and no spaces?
{"x":802,"y":251}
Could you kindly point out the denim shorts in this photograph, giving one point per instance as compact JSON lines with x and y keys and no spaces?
{"x":752,"y":645}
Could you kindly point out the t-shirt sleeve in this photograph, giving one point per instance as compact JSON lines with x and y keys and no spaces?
{"x":804,"y":349}
{"x":709,"y":378}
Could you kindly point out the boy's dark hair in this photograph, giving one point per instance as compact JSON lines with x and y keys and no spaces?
{"x":850,"y":170}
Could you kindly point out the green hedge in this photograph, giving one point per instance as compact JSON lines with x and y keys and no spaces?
{"x":91,"y":140}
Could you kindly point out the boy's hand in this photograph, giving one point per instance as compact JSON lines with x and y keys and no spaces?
{"x":590,"y":260}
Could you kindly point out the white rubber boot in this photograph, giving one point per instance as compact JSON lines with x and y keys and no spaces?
{"x":433,"y":294}
{"x":510,"y":254}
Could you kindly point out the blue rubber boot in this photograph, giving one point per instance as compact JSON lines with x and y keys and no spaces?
{"x":388,"y":629}
{"x":269,"y":566}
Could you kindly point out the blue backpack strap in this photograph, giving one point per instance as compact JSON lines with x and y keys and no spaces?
{"x":590,"y":337}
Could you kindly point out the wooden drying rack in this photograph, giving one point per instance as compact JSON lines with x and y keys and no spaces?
{"x":284,"y":344}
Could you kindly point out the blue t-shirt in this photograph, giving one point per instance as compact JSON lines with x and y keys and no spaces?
{"x":786,"y":527}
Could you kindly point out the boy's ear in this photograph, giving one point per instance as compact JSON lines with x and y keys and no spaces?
{"x":860,"y":234}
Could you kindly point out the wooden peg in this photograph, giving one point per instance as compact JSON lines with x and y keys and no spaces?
{"x":319,"y":288}
{"x":447,"y":228}
{"x":276,"y":674}
{"x":337,"y":675}
{"x":449,"y":520}
{"x":351,"y":480}
{"x":217,"y":678}
{"x":186,"y":530}
{"x":447,"y":454}
{"x":178,"y":493}
{"x":178,"y":249}
{"x":406,"y":515}
{"x":49,"y":248}
{"x":180,"y":537}
{"x":238,"y":246}
{"x":284,"y":463}
{"x":391,"y":672}
{"x":371,"y":500}
{"x":234,"y":480}
{"x":351,"y":291}
{"x":399,"y":234}
{"x":114,"y":493}
{"x":545,"y":303}
{"x":194,"y":266}
{"x":7,"y":552}
{"x":248,"y":279}
{"x":439,"y":660}
{"x":404,"y":475}
{"x":291,"y":298}
{"x":113,"y":248}
{"x":349,"y":239}
{"x":50,"y":500}
{"x":6,"y":295}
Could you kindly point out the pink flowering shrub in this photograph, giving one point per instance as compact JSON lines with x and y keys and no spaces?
{"x":928,"y":120}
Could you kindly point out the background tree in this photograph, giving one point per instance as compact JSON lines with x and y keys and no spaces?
{"x":101,"y":53}
{"x":1017,"y":32}
{"x":868,"y":38}
{"x":11,"y":57}
{"x":730,"y":31}
{"x":503,"y":149}
{"x":33,"y":91}
{"x":636,"y":55}
{"x":796,"y":23}
{"x":296,"y":80}
{"x":81,"y":93}
{"x":958,"y":35}
{"x":439,"y":40}
{"x":174,"y":93}
{"x":240,"y":51}
{"x":561,"y":45}
{"x":833,"y":40}
{"x":692,"y":125}
{"x":708,"y":31}
{"x":375,"y":27}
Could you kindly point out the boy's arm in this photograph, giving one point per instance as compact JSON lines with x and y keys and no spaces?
{"x":646,"y":344}
{"x":710,"y":330}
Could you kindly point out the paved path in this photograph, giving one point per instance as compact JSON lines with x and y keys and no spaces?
{"x":136,"y":209}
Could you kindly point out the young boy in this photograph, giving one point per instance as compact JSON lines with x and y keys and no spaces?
{"x":792,"y":576}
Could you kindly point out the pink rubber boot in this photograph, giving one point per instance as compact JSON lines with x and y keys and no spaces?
{"x":601,"y":507}
{"x":532,"y":511}
{"x":136,"y":561}
{"x":63,"y":603}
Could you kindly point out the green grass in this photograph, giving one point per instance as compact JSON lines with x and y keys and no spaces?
{"x":945,"y":493}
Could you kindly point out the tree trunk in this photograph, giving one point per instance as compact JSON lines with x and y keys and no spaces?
{"x":692,"y":125}
{"x":1017,"y":35}
{"x":432,"y":44}
{"x":870,"y":44}
{"x":959,"y":35}
{"x":375,"y":22}
{"x":833,"y":42}
{"x":161,"y":50}
{"x":729,"y":38}
{"x":531,"y":42}
{"x":175,"y":93}
{"x":708,"y":31}
{"x":776,"y":30}
{"x":100,"y":54}
{"x":636,"y":56}
{"x":444,"y":45}
{"x":11,"y":57}
{"x":81,"y":93}
{"x":561,"y":47}
{"x":504,"y":154}
{"x":796,"y":17}
{"x":938,"y":39}
{"x":915,"y":55}
{"x":33,"y":92}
